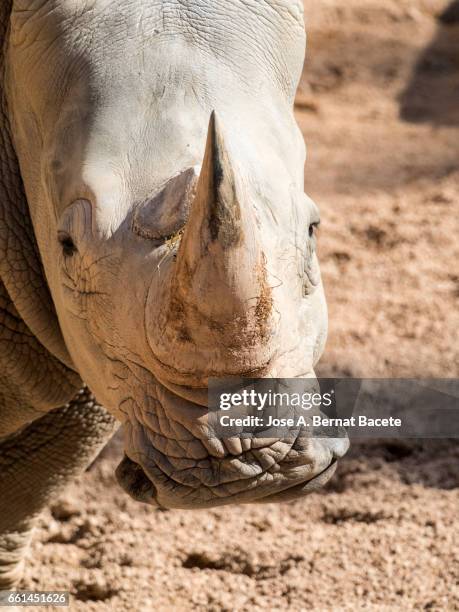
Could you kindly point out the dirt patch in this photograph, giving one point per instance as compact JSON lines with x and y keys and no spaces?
{"x":382,"y":536}
{"x":378,"y":108}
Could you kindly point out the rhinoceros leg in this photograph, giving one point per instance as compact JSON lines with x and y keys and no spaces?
{"x":36,"y":464}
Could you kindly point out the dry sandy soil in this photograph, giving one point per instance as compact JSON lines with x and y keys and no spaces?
{"x":379,"y":108}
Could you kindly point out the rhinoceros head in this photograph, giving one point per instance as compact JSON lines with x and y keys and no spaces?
{"x":164,"y":173}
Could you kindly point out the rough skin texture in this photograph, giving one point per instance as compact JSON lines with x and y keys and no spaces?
{"x":37,"y":463}
{"x":33,"y":376}
{"x":48,"y":451}
{"x":222,"y":281}
{"x":70,"y":187}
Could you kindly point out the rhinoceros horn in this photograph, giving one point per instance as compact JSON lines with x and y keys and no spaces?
{"x":220,"y":270}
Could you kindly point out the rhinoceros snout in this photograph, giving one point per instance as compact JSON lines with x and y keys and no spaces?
{"x":287,"y":480}
{"x":174,"y":460}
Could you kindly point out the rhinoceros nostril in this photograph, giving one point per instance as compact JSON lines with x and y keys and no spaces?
{"x":133,"y":480}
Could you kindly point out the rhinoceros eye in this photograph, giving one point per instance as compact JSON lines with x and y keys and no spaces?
{"x":68,"y":246}
{"x":313,"y":229}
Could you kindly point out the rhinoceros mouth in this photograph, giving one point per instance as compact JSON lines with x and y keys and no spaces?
{"x":133,"y":480}
{"x":173,"y":460}
{"x":303,"y":488}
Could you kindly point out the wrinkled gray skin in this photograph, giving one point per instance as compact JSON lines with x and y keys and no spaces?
{"x":153,"y":233}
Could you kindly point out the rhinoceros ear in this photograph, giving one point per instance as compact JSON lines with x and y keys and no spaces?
{"x":25,"y":297}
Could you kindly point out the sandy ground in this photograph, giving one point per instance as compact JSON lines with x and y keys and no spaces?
{"x":379,"y":108}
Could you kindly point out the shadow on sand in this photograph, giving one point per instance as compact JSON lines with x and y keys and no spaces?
{"x":432,"y":96}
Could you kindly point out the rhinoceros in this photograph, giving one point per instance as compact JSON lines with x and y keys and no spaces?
{"x":154,"y":234}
